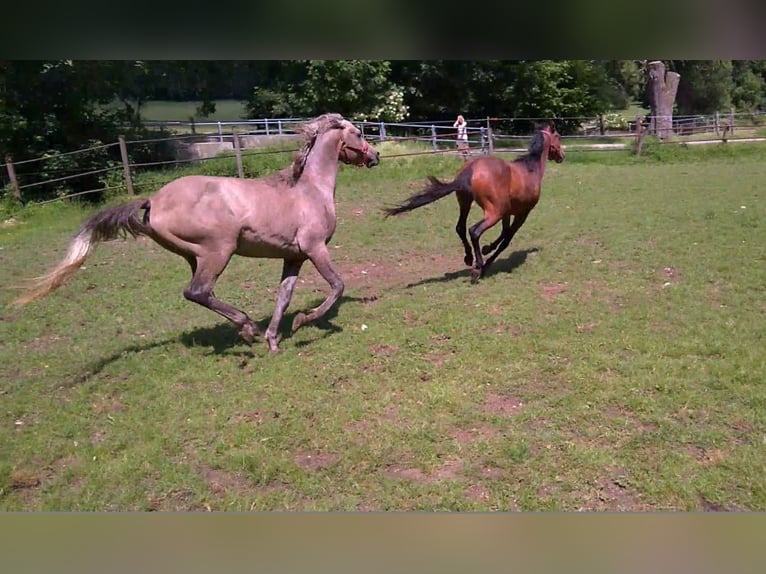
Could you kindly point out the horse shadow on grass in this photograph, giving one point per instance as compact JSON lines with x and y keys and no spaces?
{"x":507,"y":265}
{"x":222,"y":338}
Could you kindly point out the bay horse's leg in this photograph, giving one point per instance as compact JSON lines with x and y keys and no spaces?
{"x":206,"y":271}
{"x":475,"y":231}
{"x":320,"y":257}
{"x":507,"y":235}
{"x":290,"y":270}
{"x":464,"y":201}
{"x":490,"y":247}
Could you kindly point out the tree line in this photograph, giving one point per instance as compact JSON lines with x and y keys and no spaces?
{"x":53,"y":106}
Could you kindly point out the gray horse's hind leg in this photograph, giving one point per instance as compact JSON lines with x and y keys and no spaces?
{"x":206,"y":271}
{"x":320,"y":257}
{"x":290,"y":270}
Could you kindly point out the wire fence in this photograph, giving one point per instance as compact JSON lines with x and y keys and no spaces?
{"x":243,"y":138}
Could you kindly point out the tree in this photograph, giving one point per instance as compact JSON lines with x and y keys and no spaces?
{"x":662,"y":86}
{"x":357,"y":89}
{"x":749,"y":84}
{"x":706,"y":87}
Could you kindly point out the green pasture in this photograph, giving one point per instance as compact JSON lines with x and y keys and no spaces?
{"x":613,"y":359}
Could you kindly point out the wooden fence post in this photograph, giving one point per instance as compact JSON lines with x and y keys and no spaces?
{"x":490,"y":139}
{"x":731,"y":121}
{"x":717,"y":124}
{"x":640,"y":133}
{"x":382,"y":131}
{"x":238,"y":153}
{"x":433,"y":137}
{"x":126,"y":164}
{"x":12,"y":177}
{"x":601,"y":128}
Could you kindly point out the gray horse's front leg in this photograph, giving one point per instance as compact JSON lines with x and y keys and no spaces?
{"x":290,"y":270}
{"x":320,"y":257}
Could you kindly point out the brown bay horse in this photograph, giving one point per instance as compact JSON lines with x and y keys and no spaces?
{"x":501,"y":188}
{"x":289,"y":215}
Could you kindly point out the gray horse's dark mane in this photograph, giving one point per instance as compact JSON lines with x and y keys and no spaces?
{"x":310,"y":131}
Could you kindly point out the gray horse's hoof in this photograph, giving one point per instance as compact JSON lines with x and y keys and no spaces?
{"x":273,"y":343}
{"x":299,"y":320}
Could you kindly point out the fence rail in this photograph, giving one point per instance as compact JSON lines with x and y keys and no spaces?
{"x":484,"y":137}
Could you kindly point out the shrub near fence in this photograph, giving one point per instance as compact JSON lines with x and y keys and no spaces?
{"x":108,"y":168}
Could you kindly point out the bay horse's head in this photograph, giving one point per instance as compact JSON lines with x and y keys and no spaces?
{"x":555,"y":152}
{"x":354,"y":149}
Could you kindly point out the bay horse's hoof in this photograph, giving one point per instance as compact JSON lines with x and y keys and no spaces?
{"x":298,"y":322}
{"x":468,"y":260}
{"x":248,"y":332}
{"x":475,"y":274}
{"x":486,"y":250}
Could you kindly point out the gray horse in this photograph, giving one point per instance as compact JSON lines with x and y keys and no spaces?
{"x":289,"y":215}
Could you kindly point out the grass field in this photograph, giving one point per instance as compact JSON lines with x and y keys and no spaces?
{"x":613,"y":359}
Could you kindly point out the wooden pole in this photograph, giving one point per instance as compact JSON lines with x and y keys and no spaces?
{"x":490,"y":139}
{"x":12,"y":177}
{"x":433,"y":137}
{"x":731,"y":121}
{"x":126,"y":164}
{"x":640,"y":133}
{"x":238,"y":153}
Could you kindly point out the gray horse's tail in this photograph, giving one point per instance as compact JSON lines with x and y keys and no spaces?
{"x":109,"y":223}
{"x":436,"y":189}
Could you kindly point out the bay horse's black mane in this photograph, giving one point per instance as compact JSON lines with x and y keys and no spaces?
{"x":531,"y":159}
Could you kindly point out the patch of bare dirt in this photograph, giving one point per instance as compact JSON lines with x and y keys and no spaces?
{"x":450,"y":469}
{"x":221,"y":482}
{"x":107,"y":405}
{"x":477,"y":493}
{"x":313,"y":461}
{"x":466,"y":436}
{"x":588,"y":242}
{"x":629,"y":418}
{"x":504,"y":405}
{"x":706,"y":457}
{"x":550,"y":291}
{"x":45,"y":343}
{"x":23,"y":478}
{"x":492,"y":472}
{"x":613,"y":493}
{"x":383,"y":350}
{"x":585,"y":327}
{"x":706,"y":505}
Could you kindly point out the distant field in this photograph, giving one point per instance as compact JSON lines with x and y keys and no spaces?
{"x":182,"y":111}
{"x":613,"y":360}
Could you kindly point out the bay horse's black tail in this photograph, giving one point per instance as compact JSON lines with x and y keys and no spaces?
{"x":107,"y":224}
{"x":436,"y":189}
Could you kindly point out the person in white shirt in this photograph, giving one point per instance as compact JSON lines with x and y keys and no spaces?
{"x":462,"y":136}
